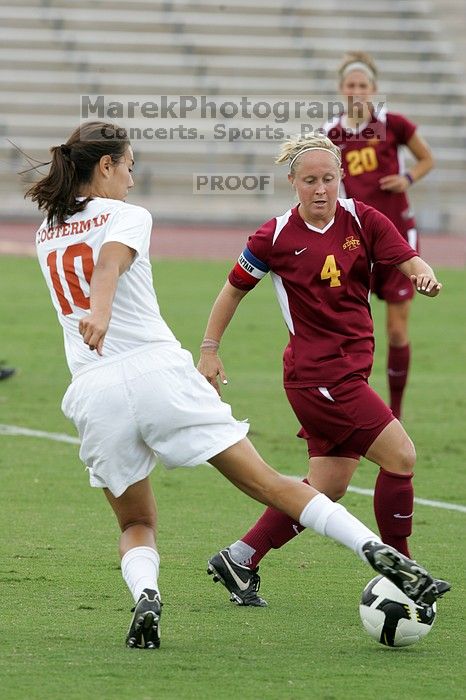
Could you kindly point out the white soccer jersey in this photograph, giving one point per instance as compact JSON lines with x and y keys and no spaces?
{"x":67,"y":255}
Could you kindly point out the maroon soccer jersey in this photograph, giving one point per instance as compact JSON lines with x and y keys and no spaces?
{"x":370,"y":154}
{"x":322,"y":281}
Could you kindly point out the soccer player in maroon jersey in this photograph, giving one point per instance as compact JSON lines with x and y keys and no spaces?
{"x":374,"y":173}
{"x":319,"y":255}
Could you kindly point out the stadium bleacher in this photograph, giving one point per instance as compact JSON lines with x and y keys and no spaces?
{"x":53,"y":51}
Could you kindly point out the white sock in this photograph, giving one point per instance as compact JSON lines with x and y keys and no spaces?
{"x":332,"y":519}
{"x":140,"y":569}
{"x":241,"y":552}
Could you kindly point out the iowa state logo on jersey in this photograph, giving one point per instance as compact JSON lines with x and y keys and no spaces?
{"x":351,"y":243}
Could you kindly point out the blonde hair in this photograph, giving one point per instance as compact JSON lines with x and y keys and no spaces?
{"x":292,"y":149}
{"x":358,"y":57}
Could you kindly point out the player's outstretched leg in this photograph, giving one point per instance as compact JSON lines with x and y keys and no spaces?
{"x":242,"y":465}
{"x":241,"y":581}
{"x":144,"y":630}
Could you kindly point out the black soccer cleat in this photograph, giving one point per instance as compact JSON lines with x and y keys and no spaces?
{"x":144,"y":630}
{"x":242,"y":581}
{"x":442,"y":587}
{"x":6,"y":372}
{"x":406,"y":574}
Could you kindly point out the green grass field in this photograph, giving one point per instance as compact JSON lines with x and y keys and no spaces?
{"x":64,"y":608}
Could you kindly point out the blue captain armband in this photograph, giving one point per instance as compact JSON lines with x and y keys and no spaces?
{"x":249,"y":268}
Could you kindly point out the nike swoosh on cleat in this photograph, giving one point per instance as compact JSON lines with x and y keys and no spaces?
{"x":241,"y":584}
{"x":411,"y":576}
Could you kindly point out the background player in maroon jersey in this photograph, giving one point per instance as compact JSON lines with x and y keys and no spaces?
{"x":374,"y":173}
{"x":319,"y":255}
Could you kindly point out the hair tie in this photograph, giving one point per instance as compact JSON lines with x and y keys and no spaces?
{"x":65,"y":149}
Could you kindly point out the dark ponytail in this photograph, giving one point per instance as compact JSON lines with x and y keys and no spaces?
{"x":72,"y":166}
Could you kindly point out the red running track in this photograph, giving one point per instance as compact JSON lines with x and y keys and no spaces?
{"x":209,"y":243}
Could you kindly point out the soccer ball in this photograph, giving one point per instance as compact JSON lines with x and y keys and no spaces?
{"x":390,"y":617}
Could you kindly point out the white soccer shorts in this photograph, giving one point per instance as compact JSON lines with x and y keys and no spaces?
{"x":145,"y":404}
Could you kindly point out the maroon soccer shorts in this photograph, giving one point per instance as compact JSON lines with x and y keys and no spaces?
{"x":391,"y":285}
{"x":341,"y":420}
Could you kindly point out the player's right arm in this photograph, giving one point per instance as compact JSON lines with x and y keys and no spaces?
{"x":223,"y":310}
{"x":114,"y":259}
{"x":244,"y":276}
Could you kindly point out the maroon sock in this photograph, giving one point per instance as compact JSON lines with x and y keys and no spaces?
{"x":393,"y":507}
{"x":397,"y":370}
{"x":271,"y":531}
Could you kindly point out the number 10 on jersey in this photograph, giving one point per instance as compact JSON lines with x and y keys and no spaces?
{"x":73,"y":293}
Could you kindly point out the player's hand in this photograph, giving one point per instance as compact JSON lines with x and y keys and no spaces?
{"x":211,"y":367}
{"x":93,"y":329}
{"x":394,"y":183}
{"x":426,"y":284}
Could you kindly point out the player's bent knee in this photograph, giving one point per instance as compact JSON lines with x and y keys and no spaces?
{"x":406,"y":458}
{"x":336,"y":492}
{"x":332,"y":488}
{"x":410,"y":456}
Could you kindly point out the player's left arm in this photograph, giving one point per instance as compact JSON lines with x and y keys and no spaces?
{"x":388,"y":247}
{"x":114,"y":259}
{"x":421,"y":275}
{"x":424,"y":163}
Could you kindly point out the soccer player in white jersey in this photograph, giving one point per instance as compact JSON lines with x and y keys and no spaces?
{"x":135,"y":393}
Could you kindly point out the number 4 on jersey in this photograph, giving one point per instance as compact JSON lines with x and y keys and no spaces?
{"x":330,"y":271}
